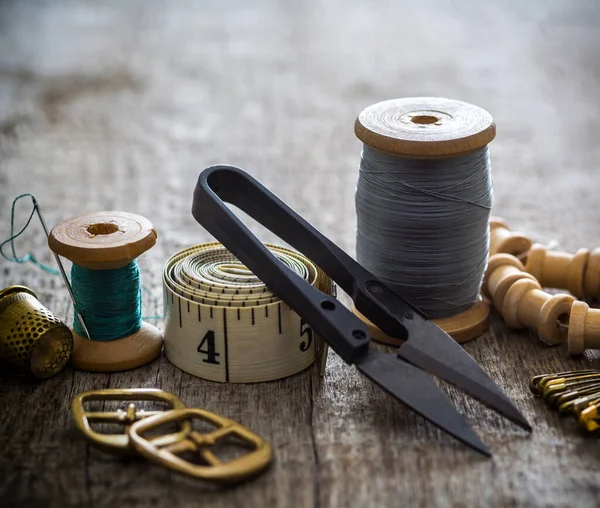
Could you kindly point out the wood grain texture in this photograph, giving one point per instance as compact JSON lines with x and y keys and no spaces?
{"x":102,"y":240}
{"x":125,"y":353}
{"x":118,"y":105}
{"x":425,"y":127}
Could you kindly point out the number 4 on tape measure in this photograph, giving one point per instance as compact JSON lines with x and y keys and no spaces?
{"x":208,"y":342}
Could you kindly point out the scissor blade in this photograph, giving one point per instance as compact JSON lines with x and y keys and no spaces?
{"x":433,"y":350}
{"x":415,"y":388}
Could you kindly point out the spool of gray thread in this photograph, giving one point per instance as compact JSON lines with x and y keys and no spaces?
{"x":422,"y":226}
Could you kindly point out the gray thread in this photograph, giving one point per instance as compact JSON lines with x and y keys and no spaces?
{"x":422,"y":226}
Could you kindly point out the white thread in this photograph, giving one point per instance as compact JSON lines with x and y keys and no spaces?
{"x":224,"y":324}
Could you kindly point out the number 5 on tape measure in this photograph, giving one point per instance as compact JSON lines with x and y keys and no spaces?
{"x":223,"y":324}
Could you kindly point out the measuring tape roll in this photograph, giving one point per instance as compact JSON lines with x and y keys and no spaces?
{"x":223,"y":324}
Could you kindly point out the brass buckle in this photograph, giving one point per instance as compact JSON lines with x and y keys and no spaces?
{"x":120,"y":443}
{"x":168,"y":455}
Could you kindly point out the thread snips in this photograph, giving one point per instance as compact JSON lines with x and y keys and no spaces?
{"x":404,"y":373}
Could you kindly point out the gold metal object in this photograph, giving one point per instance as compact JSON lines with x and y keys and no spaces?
{"x":169,"y":455}
{"x":567,"y":400}
{"x":120,"y":443}
{"x":589,"y":418}
{"x":538,"y":382}
{"x":578,"y":405}
{"x":576,"y":392}
{"x":553,"y":389}
{"x":32,"y":339}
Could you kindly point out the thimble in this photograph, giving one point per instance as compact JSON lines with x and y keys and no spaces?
{"x":32,"y":339}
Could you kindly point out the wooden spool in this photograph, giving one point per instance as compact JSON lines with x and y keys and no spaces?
{"x":578,"y":273}
{"x":503,"y":240}
{"x":107,"y":241}
{"x":426,"y":127}
{"x":584,"y":328}
{"x":518,"y":296}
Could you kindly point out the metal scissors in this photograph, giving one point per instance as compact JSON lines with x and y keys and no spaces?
{"x":404,"y":373}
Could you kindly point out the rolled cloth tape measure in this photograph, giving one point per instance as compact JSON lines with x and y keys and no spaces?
{"x":223,"y":324}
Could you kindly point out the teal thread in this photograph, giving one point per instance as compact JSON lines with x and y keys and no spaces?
{"x":110,"y":301}
{"x":27,"y":258}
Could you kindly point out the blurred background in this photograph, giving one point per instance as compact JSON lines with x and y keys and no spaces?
{"x":120,"y":104}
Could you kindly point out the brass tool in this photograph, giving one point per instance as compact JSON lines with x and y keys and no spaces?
{"x":32,"y":339}
{"x":169,"y":455}
{"x":120,"y":443}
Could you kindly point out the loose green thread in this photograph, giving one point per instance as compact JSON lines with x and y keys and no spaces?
{"x":27,"y":258}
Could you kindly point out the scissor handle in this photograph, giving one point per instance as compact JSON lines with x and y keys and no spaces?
{"x":341,"y":329}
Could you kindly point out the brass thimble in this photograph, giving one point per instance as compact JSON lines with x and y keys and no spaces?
{"x":32,"y":339}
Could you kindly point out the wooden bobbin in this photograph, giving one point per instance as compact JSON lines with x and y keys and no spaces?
{"x":502,"y":271}
{"x":584,"y":328}
{"x":426,"y":127}
{"x":578,"y":273}
{"x":518,"y":296}
{"x":503,"y":240}
{"x":107,"y":241}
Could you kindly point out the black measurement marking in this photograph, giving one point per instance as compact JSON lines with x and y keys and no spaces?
{"x":279,"y":316}
{"x":179,"y":303}
{"x":199,"y":314}
{"x":305,"y":330}
{"x":188,"y":302}
{"x":252,"y":317}
{"x":211,"y":350}
{"x":266,"y":311}
{"x":211,"y":313}
{"x":238,"y":314}
{"x":226,"y":347}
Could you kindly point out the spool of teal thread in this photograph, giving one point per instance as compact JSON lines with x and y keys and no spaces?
{"x":109,"y":300}
{"x":103,"y":247}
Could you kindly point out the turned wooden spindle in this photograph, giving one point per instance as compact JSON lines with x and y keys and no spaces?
{"x":519,"y":297}
{"x":503,"y":240}
{"x":584,"y":328}
{"x":578,"y":273}
{"x":503,"y":270}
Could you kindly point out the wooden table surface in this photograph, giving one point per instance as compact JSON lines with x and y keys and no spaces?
{"x":120,"y":104}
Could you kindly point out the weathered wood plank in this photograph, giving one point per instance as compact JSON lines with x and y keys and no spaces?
{"x":119,"y":105}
